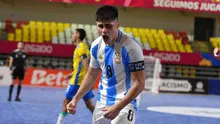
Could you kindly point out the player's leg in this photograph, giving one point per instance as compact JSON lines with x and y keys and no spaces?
{"x":64,"y":113}
{"x":21,"y":78}
{"x":126,"y":116}
{"x":11,"y":87}
{"x":70,"y":92}
{"x":88,"y":101}
{"x":18,"y":90}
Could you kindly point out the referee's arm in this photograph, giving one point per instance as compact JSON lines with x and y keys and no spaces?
{"x":25,"y":65}
{"x":10,"y":62}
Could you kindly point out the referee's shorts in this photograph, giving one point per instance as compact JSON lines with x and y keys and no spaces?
{"x":18,"y":73}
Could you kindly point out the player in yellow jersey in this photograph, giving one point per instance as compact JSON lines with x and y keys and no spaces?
{"x":80,"y":66}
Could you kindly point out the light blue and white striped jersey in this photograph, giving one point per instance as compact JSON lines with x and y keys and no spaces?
{"x":116,"y":62}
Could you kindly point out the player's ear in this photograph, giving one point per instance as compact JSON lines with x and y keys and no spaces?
{"x":118,"y":24}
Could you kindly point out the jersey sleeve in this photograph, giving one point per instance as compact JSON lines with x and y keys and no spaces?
{"x":26,"y":56}
{"x":93,"y":56}
{"x":136,"y":58}
{"x":82,"y":52}
{"x":12,"y":55}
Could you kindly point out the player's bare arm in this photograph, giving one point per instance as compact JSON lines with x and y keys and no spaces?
{"x":86,"y":85}
{"x":68,"y":76}
{"x":136,"y":89}
{"x":85,"y":62}
{"x":25,"y":66}
{"x":10,"y":63}
{"x":86,"y":65}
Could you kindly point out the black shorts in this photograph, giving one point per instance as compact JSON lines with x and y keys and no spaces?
{"x":18,"y":72}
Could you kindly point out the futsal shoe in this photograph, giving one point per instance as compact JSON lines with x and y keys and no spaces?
{"x":18,"y":100}
{"x":9,"y":98}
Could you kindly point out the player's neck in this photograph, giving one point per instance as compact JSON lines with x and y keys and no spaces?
{"x":77,"y":42}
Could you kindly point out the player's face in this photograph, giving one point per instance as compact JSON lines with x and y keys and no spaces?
{"x":108,"y":30}
{"x":75,"y":36}
{"x":20,"y":46}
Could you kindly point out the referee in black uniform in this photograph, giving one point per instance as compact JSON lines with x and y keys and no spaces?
{"x":17,"y":65}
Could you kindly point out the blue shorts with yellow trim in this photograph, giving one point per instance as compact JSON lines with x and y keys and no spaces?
{"x":72,"y":90}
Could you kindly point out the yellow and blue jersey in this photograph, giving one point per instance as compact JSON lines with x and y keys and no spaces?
{"x":79,"y":70}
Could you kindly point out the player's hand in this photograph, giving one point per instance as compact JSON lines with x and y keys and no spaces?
{"x":11,"y":72}
{"x":71,"y":107}
{"x":216,"y":52}
{"x":111,"y":112}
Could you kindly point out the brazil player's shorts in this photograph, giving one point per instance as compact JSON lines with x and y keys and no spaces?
{"x":72,"y":90}
{"x":18,"y":73}
{"x":126,"y":115}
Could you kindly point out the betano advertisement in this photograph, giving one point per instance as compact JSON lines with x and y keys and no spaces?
{"x":187,"y":5}
{"x":48,"y":78}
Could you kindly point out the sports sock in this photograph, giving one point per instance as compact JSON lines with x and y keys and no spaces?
{"x":18,"y":91}
{"x":61,"y":117}
{"x":11,"y":89}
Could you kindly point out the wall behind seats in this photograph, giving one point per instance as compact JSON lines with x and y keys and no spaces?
{"x":170,"y":20}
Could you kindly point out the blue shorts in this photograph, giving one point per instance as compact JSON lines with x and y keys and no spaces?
{"x":72,"y":90}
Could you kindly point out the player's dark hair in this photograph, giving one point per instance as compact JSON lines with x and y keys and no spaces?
{"x":82,"y":33}
{"x":106,"y":13}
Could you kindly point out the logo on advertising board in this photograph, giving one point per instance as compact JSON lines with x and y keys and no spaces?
{"x":175,"y":85}
{"x":43,"y":77}
{"x":211,"y":6}
{"x":171,"y":57}
{"x":199,"y":87}
{"x":50,"y":79}
{"x":36,"y":48}
{"x":196,"y":86}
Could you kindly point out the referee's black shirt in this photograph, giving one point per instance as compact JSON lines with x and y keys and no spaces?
{"x":19,"y":58}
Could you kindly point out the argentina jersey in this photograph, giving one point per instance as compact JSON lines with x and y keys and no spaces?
{"x":117,"y":62}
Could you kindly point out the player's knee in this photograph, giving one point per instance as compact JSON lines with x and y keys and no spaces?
{"x":20,"y":82}
{"x":13,"y":83}
{"x":89,"y":105}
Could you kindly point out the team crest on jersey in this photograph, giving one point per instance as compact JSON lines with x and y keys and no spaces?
{"x":117,"y":58}
{"x":100,"y":57}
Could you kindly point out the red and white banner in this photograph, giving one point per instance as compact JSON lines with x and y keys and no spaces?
{"x":58,"y":50}
{"x":187,"y":5}
{"x":48,"y":78}
{"x":176,"y":57}
{"x":44,"y":77}
{"x":39,"y":49}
